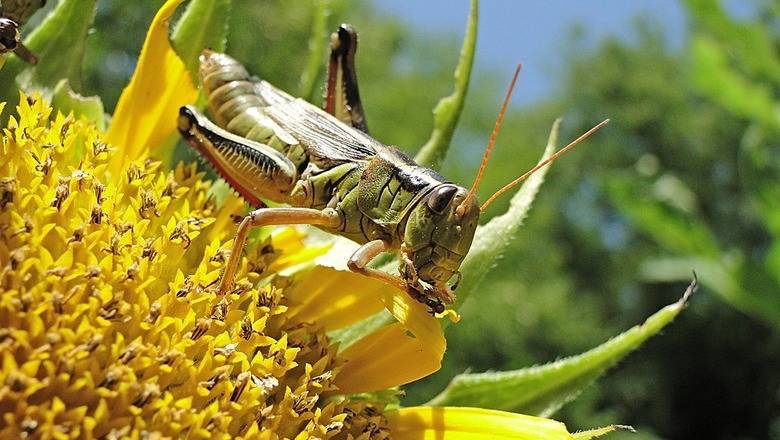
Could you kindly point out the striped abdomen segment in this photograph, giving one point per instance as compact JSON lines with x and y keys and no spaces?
{"x":237,"y":104}
{"x":253,"y":169}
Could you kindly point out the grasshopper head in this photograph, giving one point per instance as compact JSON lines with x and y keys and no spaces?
{"x":439,"y":232}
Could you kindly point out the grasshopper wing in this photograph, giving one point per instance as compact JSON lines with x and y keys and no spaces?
{"x":270,"y":94}
{"x":326,"y":139}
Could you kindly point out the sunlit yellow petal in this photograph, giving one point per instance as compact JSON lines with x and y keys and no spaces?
{"x":146,"y":112}
{"x":454,"y":423}
{"x":334,"y":298}
{"x":415,"y":318}
{"x":388,"y":357}
{"x":394,"y":355}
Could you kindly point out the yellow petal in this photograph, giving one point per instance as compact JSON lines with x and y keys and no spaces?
{"x":334,"y":298}
{"x":396,"y":354}
{"x":147,"y":110}
{"x":388,"y":357}
{"x":454,"y":423}
{"x":415,"y":318}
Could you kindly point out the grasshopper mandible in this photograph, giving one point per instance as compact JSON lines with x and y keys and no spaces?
{"x":269,"y":145}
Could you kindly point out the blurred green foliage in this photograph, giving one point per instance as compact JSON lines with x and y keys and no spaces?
{"x":685,"y":177}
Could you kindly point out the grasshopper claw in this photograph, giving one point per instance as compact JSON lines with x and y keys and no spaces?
{"x":428,"y":296}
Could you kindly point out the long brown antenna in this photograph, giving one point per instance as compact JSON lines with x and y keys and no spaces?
{"x":491,"y":143}
{"x":557,"y":154}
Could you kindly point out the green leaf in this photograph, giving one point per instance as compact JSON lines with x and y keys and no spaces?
{"x":449,"y":108}
{"x":542,"y":390}
{"x":203,"y":25}
{"x":316,"y":56}
{"x":753,"y":43}
{"x":739,"y":94}
{"x":66,"y":100}
{"x":668,"y":225}
{"x":492,"y":239}
{"x":59,"y":44}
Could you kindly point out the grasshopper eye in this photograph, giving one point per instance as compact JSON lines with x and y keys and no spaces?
{"x":441,"y":197}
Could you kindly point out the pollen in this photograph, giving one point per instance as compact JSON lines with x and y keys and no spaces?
{"x":109,"y":322}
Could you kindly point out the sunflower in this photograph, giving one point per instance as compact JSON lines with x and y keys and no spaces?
{"x":110,"y":323}
{"x":108,"y":328}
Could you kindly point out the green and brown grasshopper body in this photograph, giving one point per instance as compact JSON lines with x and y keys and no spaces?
{"x":269,"y":145}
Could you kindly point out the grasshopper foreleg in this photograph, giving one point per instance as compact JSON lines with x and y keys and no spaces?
{"x":358,"y":263}
{"x":272,"y":216}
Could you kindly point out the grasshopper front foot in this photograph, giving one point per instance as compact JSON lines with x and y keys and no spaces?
{"x":426,"y":297}
{"x":432,"y":297}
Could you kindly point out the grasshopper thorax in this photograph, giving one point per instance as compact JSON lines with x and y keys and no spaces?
{"x":439,"y":232}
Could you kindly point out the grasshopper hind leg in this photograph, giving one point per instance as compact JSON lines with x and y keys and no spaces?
{"x":342,"y":96}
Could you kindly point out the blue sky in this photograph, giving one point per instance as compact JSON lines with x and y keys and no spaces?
{"x":533,"y":32}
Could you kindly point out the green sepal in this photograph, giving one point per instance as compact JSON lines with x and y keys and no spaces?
{"x":203,"y":25}
{"x":542,"y":390}
{"x":316,"y":50}
{"x":598,"y":432}
{"x":65,"y":100}
{"x":352,"y":333}
{"x":59,"y":44}
{"x":449,"y":108}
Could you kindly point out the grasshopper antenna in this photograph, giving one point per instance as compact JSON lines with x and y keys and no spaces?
{"x":552,"y":158}
{"x":496,"y":128}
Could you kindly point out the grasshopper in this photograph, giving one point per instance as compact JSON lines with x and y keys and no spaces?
{"x":322,"y":162}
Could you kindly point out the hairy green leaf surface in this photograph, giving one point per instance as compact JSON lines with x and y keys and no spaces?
{"x":449,"y":108}
{"x":542,"y":390}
